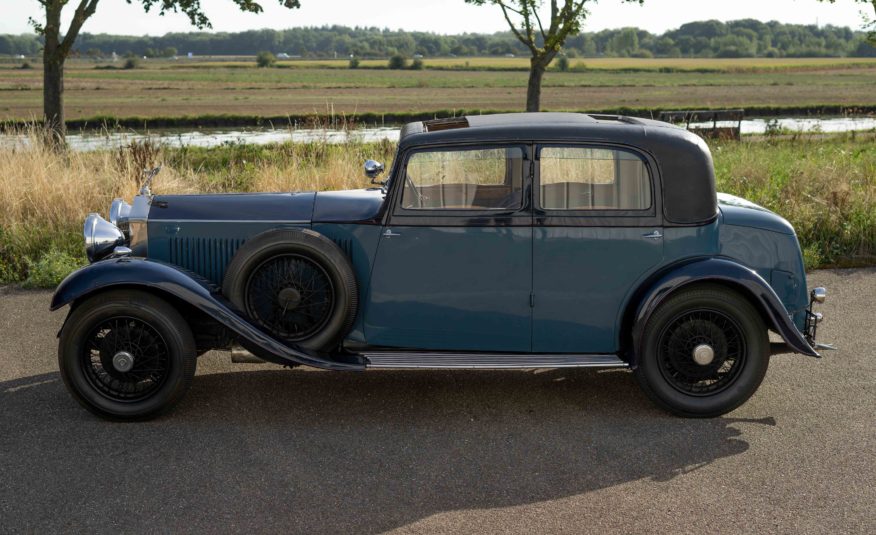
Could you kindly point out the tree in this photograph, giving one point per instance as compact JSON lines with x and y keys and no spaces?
{"x":58,"y":44}
{"x":563,"y":64}
{"x":543,"y":43}
{"x":869,"y":24}
{"x":265,"y":59}
{"x":625,"y":42}
{"x":397,"y":61}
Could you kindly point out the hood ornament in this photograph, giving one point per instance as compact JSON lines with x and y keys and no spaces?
{"x":148,"y":175}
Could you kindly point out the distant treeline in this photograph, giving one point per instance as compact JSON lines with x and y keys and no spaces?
{"x":741,"y":38}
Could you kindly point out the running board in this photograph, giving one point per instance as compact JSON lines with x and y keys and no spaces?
{"x":489,"y":361}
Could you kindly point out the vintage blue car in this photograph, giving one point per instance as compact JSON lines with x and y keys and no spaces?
{"x":499,"y":241}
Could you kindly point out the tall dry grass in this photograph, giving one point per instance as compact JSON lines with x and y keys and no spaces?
{"x":825,"y":186}
{"x":45,"y":194}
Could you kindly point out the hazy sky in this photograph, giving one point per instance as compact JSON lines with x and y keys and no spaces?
{"x":442,"y":16}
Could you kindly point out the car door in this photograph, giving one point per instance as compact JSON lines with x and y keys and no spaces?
{"x":453,"y":269}
{"x":597,"y":233}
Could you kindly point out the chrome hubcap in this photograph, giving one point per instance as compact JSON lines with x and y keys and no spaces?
{"x":703,"y":354}
{"x":123,"y":361}
{"x":289,"y":298}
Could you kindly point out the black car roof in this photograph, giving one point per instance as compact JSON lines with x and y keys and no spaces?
{"x":511,"y":124}
{"x":683,"y":159}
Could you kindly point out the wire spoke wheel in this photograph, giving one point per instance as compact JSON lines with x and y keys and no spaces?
{"x":291,"y":295}
{"x":701,"y":352}
{"x":125,"y":359}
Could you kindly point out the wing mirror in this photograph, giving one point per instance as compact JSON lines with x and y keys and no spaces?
{"x":373,"y":170}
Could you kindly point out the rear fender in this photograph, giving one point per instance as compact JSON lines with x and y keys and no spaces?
{"x":731,"y":274}
{"x":161,"y":278}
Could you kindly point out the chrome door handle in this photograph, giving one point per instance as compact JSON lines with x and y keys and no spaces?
{"x":653,"y":235}
{"x":388,"y":233}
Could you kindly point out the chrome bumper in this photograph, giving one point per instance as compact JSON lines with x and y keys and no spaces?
{"x":817,"y":295}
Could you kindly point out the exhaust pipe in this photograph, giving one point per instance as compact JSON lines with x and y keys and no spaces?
{"x":240,"y":355}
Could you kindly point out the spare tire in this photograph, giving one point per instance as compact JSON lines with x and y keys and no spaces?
{"x":297,"y":285}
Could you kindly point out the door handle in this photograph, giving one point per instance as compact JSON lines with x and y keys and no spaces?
{"x":388,"y":233}
{"x":653,"y":235}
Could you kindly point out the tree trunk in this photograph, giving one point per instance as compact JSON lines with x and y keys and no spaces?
{"x":53,"y":76}
{"x":533,"y":89}
{"x":53,"y":91}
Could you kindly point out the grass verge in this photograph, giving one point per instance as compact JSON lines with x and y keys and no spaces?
{"x":825,"y":186}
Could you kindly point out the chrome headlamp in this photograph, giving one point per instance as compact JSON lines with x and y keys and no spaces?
{"x":119,"y":209}
{"x":101,"y":237}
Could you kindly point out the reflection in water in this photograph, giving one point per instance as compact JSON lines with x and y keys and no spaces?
{"x":86,"y":141}
{"x":808,"y":124}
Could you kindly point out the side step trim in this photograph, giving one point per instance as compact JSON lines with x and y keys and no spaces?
{"x":489,"y":361}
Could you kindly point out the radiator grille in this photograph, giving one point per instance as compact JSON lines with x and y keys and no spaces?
{"x":209,"y":257}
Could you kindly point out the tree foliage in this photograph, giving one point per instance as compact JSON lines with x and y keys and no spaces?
{"x":397,"y":61}
{"x":869,"y":21}
{"x":58,"y":42}
{"x":265,"y":59}
{"x":695,"y":39}
{"x":543,"y":41}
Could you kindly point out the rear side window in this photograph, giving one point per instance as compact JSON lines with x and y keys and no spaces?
{"x":464,"y":179}
{"x":585,"y":178}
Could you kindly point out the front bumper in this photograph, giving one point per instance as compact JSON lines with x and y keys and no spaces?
{"x":817,"y":295}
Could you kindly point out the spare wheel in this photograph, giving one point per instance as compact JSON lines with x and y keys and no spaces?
{"x":297,"y":285}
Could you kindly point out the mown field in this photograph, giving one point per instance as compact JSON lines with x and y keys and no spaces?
{"x":234,"y":87}
{"x":825,"y":186}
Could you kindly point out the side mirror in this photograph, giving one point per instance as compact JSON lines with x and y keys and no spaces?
{"x":373,"y":170}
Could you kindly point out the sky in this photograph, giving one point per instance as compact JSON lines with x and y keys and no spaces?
{"x":440,"y":16}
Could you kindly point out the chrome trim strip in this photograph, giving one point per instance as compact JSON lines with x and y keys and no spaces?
{"x":286,"y":221}
{"x":491,"y":361}
{"x":137,"y":226}
{"x":139,"y":232}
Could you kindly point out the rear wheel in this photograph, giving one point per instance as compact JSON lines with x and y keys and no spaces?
{"x":126,"y":355}
{"x":706,"y":351}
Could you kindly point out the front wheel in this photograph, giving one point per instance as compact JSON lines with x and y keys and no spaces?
{"x":126,"y":355}
{"x":706,"y":351}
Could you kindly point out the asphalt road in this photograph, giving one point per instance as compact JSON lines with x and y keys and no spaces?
{"x":256,"y":447}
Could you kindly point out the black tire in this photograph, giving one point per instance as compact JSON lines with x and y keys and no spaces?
{"x":146,"y":327}
{"x":296,"y":284}
{"x":735,"y":337}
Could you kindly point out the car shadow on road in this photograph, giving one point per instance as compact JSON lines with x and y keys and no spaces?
{"x":300,"y":451}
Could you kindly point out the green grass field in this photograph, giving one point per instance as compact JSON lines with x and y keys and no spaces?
{"x":235,"y":87}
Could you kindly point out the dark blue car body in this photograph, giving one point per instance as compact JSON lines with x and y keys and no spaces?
{"x":470,"y":283}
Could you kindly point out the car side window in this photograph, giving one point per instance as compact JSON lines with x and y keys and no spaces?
{"x":464,"y":179}
{"x":590,"y":178}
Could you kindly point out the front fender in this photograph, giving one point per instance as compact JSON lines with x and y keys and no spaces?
{"x":194,"y":290}
{"x":729,"y":273}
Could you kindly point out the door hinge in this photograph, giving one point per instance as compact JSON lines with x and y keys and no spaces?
{"x":532,"y":300}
